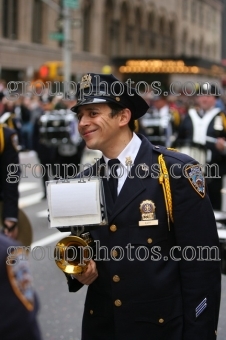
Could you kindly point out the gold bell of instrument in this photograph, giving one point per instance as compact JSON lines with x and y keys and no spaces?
{"x":72,"y":253}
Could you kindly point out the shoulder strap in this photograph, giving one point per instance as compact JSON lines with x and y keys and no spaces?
{"x":223,"y":117}
{"x":2,"y":141}
{"x":136,"y":123}
{"x":164,"y":181}
{"x":175,"y":116}
{"x":10,"y":123}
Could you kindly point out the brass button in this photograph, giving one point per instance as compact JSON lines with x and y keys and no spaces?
{"x":114,"y":253}
{"x":116,"y":278}
{"x":118,"y":303}
{"x":161,"y":320}
{"x":91,"y":311}
{"x":149,"y":240}
{"x":113,"y":227}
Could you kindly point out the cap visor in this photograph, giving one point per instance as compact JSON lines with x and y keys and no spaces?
{"x":87,"y":101}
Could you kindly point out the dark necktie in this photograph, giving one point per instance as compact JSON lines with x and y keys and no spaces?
{"x":113,"y":179}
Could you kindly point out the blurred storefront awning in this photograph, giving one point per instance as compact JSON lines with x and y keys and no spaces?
{"x":182,"y":65}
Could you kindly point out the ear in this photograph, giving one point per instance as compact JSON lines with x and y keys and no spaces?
{"x":125,"y":116}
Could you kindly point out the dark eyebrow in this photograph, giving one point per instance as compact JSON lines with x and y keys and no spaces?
{"x":90,"y":109}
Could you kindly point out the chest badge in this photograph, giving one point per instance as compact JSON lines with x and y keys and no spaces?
{"x":147,"y":209}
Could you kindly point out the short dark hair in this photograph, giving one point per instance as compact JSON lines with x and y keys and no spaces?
{"x":115,"y":109}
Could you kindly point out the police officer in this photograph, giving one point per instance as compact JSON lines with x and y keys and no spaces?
{"x":19,"y":304}
{"x":9,"y":193}
{"x":204,"y":130}
{"x":149,"y":281}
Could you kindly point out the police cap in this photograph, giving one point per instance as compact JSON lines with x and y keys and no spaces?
{"x":105,"y":88}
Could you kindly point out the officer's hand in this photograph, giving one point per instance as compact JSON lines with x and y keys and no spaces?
{"x":10,"y":229}
{"x":220,"y":144}
{"x":89,"y":275}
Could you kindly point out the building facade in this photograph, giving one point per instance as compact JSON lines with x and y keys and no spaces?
{"x":113,"y":32}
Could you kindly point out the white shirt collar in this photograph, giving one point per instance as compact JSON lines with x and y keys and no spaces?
{"x":129,"y":153}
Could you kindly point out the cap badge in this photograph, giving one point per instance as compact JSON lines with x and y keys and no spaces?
{"x":85,"y":81}
{"x":147,"y":209}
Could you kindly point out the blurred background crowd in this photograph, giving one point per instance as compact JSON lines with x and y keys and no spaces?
{"x":45,"y":124}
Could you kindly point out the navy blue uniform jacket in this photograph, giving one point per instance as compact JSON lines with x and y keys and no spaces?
{"x":9,"y":193}
{"x":159,"y":298}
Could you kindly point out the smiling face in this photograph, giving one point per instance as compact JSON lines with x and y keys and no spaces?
{"x":103,"y":132}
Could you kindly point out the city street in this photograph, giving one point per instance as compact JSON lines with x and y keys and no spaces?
{"x":60,"y":312}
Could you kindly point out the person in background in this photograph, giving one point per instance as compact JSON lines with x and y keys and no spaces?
{"x":161,"y":121}
{"x":46,"y":153}
{"x":9,"y":193}
{"x":204,"y":130}
{"x":9,"y":117}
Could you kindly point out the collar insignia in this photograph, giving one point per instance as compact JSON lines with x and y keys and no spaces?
{"x":128,"y":161}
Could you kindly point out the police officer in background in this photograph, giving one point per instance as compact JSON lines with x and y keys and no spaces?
{"x":9,"y":117}
{"x":9,"y":194}
{"x":46,"y":153}
{"x":204,"y":130}
{"x":159,"y":289}
{"x":19,"y":304}
{"x":161,"y":122}
{"x":69,"y":153}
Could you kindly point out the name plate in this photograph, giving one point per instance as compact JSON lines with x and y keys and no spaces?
{"x":146,"y":223}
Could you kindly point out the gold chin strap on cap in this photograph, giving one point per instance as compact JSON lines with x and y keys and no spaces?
{"x":164,"y":181}
{"x":136,"y":123}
